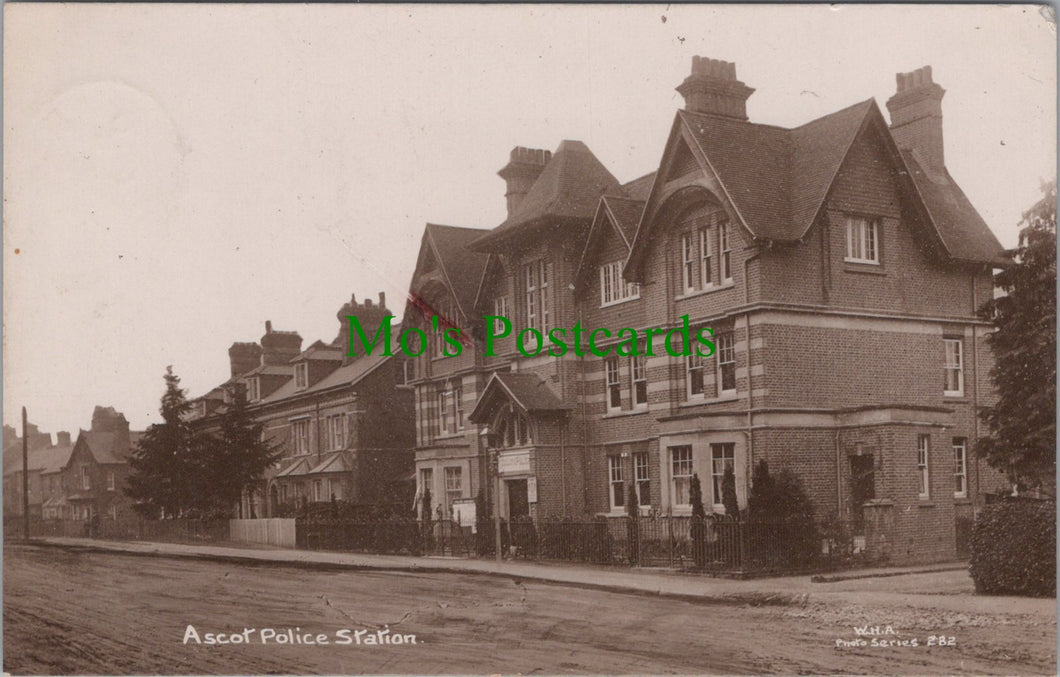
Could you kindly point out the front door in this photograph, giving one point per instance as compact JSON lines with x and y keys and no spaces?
{"x":862,"y":484}
{"x":518,"y":502}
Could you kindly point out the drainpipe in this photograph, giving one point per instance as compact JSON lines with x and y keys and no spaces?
{"x":750,"y":382}
{"x":838,"y":478}
{"x":975,"y":392}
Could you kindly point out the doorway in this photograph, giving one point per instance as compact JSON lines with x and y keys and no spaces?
{"x":518,"y":499}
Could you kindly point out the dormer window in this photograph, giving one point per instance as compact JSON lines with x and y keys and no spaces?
{"x":301,"y":375}
{"x":863,"y":240}
{"x":253,"y":391}
{"x":613,"y":288}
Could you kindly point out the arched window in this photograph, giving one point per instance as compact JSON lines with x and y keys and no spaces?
{"x":512,"y":429}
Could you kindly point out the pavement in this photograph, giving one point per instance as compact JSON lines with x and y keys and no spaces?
{"x":943,"y":586}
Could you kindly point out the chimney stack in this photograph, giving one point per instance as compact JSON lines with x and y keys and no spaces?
{"x":916,"y":117}
{"x":243,"y":357}
{"x":523,"y":168}
{"x":108,"y":420}
{"x":279,"y":347}
{"x":62,"y":439}
{"x":712,"y":88}
{"x":369,"y":315}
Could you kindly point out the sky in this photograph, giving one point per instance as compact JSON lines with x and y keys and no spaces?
{"x":176,"y":175}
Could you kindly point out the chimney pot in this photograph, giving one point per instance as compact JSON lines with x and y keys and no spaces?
{"x":382,"y":299}
{"x":712,"y":88}
{"x":523,"y":168}
{"x":916,"y":117}
{"x":268,"y":326}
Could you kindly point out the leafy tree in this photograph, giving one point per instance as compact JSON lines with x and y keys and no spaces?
{"x":236,"y":457}
{"x":728,"y":492}
{"x":779,"y":497}
{"x":159,"y":483}
{"x":1022,"y":425}
{"x":699,"y":515}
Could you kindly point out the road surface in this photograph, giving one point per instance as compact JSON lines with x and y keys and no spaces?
{"x":81,"y":612}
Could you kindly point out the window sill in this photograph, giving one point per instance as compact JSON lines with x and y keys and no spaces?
{"x":625,"y":412}
{"x":863,"y":267}
{"x":955,"y":397}
{"x":710,"y":400}
{"x":446,"y":436}
{"x":611,"y":304}
{"x":708,"y":290}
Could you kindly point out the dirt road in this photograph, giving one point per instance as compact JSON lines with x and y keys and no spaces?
{"x":81,"y":612}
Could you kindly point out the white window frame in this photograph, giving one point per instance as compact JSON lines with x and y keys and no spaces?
{"x":301,"y":437}
{"x":681,"y":460}
{"x":530,"y":294}
{"x":335,"y":428}
{"x":960,"y":467}
{"x":638,"y":377}
{"x":726,"y":361}
{"x":616,"y":487}
{"x":642,"y":478}
{"x":706,"y":274}
{"x":863,"y":240}
{"x":500,"y":309}
{"x":458,"y":406}
{"x":110,"y":480}
{"x":613,"y":380}
{"x":720,"y":451}
{"x":725,"y":247}
{"x":923,"y":453}
{"x":695,"y":363}
{"x":688,"y":282}
{"x":613,"y":288}
{"x":454,"y":486}
{"x":86,"y":479}
{"x":301,"y":375}
{"x":253,"y":389}
{"x":443,"y":412}
{"x":953,"y":363}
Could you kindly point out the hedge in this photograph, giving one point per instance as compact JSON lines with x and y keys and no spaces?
{"x":1014,"y":549}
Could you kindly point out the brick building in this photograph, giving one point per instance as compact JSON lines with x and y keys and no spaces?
{"x":74,"y":480}
{"x":344,"y":423}
{"x":839,"y":266}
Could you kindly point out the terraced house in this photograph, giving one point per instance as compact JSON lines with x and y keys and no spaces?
{"x":839,"y":266}
{"x":344,"y":423}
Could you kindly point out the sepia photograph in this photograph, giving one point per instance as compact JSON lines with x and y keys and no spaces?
{"x":694,"y":339}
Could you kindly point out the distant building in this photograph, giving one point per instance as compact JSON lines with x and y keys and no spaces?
{"x":344,"y":423}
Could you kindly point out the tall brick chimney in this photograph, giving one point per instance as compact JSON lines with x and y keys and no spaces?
{"x":916,"y":117}
{"x":62,"y":439}
{"x":107,"y":420}
{"x":523,"y":168}
{"x":243,"y":357}
{"x":713,"y":88}
{"x":368,"y":314}
{"x":279,"y":347}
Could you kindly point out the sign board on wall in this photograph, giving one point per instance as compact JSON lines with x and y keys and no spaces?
{"x":464,"y":512}
{"x":531,"y":489}
{"x":517,"y":463}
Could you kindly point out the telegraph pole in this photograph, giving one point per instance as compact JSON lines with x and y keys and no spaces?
{"x":25,"y":478}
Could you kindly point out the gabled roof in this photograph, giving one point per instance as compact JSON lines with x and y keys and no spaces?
{"x":567,"y":190}
{"x":962,"y":230}
{"x":462,"y":267}
{"x":638,"y":189}
{"x":346,"y":375}
{"x":528,"y":392}
{"x":777,"y":180}
{"x":318,"y":351}
{"x":107,"y":447}
{"x":334,"y":462}
{"x":49,"y":459}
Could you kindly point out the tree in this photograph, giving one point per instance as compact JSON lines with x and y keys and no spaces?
{"x":1022,"y":425}
{"x":699,"y":516}
{"x":728,"y":492}
{"x":159,"y":482}
{"x":779,"y":497}
{"x":237,"y":457}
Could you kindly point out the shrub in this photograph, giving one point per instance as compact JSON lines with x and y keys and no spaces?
{"x":1014,"y":548}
